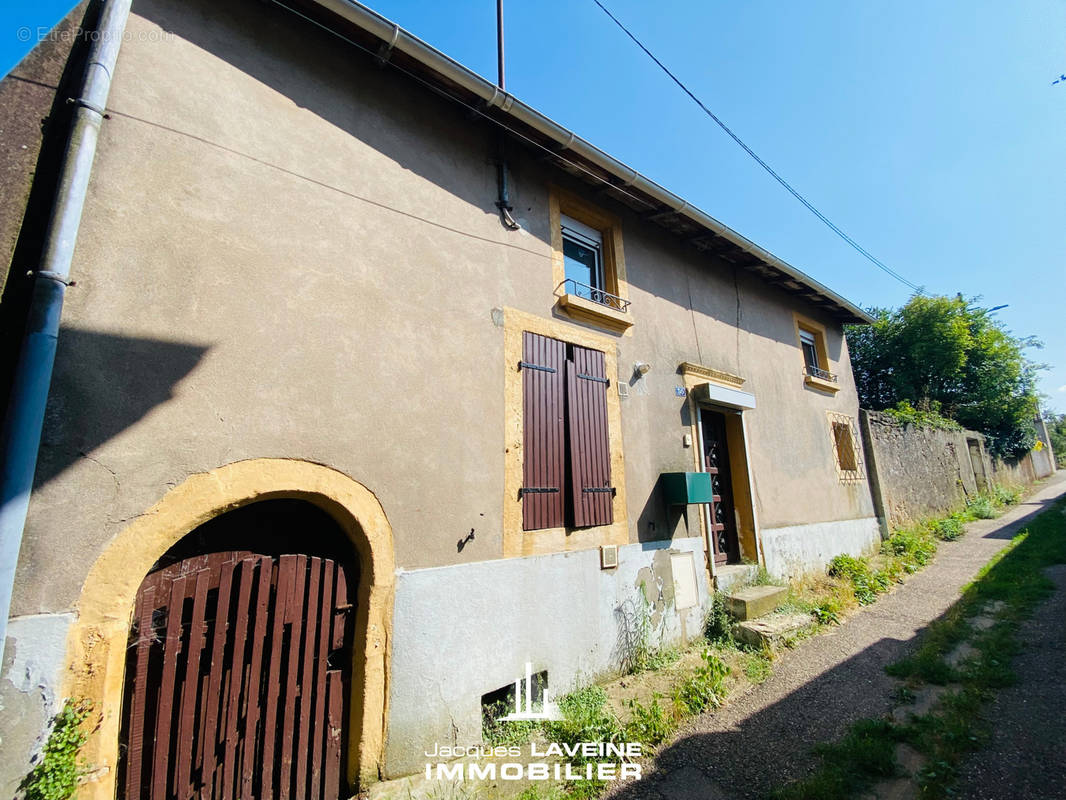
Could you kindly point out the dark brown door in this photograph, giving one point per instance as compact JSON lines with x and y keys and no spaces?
{"x":236,"y":679}
{"x":716,"y":461}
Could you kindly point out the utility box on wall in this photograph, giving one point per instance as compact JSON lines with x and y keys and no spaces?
{"x":683,"y":488}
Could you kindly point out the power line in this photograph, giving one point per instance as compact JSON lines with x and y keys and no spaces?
{"x":829,"y":223}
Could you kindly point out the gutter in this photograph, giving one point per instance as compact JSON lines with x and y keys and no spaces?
{"x":21,"y":436}
{"x":396,"y":37}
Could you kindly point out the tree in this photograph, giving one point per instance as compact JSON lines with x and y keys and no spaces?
{"x":950,"y":356}
{"x":1056,"y":429}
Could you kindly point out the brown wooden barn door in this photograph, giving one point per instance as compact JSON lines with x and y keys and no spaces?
{"x":722,"y":520}
{"x":235,"y":679}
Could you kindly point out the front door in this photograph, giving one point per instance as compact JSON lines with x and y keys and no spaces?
{"x":236,"y":679}
{"x":721,"y":521}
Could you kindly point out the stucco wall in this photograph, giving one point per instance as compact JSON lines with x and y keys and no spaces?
{"x":452,"y":646}
{"x":796,"y":550}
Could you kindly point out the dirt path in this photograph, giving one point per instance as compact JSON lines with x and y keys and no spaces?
{"x":1026,"y":756}
{"x":764,"y":738}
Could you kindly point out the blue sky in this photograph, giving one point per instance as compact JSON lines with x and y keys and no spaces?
{"x":930,"y":132}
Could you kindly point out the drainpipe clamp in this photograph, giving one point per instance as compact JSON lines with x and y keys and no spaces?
{"x":81,"y":101}
{"x":51,"y":276}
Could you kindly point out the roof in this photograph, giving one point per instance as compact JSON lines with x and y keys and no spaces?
{"x":391,"y":43}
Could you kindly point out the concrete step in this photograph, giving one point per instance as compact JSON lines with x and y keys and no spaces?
{"x":729,"y":575}
{"x":772,"y":629}
{"x":752,"y":602}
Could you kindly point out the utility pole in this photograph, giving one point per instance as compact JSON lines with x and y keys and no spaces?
{"x":499,"y":42}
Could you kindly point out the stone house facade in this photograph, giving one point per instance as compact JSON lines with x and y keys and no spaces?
{"x":314,"y":382}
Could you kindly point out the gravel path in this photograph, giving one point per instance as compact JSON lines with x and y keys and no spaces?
{"x":764,"y":738}
{"x":1026,"y":757}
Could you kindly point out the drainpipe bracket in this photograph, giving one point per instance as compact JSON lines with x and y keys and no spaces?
{"x":81,"y":101}
{"x":385,"y":51}
{"x":51,"y":276}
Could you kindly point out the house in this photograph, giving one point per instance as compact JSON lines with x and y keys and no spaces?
{"x":377,"y":390}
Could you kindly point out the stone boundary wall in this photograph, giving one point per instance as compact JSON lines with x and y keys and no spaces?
{"x":919,"y":472}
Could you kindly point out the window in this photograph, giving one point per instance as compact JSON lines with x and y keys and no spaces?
{"x":845,"y":448}
{"x":583,"y":257}
{"x":566,"y":469}
{"x":810,"y":349}
{"x":811,"y":337}
{"x":587,"y":263}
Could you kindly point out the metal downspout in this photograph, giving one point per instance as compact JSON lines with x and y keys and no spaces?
{"x":29,"y":393}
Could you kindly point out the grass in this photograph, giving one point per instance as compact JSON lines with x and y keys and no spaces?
{"x":757,"y":667}
{"x":959,"y":724}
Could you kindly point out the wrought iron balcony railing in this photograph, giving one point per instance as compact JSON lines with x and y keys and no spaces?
{"x":570,"y":286}
{"x":821,"y":374}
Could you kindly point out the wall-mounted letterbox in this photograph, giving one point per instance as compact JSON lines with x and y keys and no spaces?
{"x":682,"y":488}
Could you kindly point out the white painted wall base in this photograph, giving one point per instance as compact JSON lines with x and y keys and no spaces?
{"x":463,"y":631}
{"x":793,"y":551}
{"x":33,"y":658}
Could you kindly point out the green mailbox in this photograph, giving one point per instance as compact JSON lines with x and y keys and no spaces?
{"x":682,"y":488}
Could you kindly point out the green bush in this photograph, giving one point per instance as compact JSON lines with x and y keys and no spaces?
{"x":857,"y":572}
{"x":981,"y":507}
{"x":1005,"y":495}
{"x":718,"y":627}
{"x":912,"y":546}
{"x":55,"y":777}
{"x":586,"y":718}
{"x":497,"y":731}
{"x":704,"y":688}
{"x":649,"y":725}
{"x":948,"y":529}
{"x":828,"y":611}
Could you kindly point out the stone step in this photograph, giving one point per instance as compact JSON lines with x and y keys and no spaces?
{"x":752,"y":602}
{"x":772,"y":629}
{"x":729,"y":575}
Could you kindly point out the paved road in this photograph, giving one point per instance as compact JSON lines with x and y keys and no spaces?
{"x":1026,"y":757}
{"x":764,"y":738}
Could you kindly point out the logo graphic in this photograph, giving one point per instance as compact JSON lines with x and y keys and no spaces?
{"x":534,"y":696}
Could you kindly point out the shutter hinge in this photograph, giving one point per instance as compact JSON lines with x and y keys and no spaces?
{"x":527,"y":365}
{"x":603,"y":490}
{"x":594,"y":378}
{"x":537,"y":490}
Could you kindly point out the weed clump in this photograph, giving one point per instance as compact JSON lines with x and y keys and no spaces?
{"x":705,"y":688}
{"x":55,"y":777}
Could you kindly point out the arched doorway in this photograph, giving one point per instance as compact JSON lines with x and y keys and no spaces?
{"x":97,"y":642}
{"x":238,"y":661}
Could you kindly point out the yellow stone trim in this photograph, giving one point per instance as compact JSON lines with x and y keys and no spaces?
{"x":818,"y":383}
{"x":96,"y":644}
{"x":691,"y":370}
{"x":560,"y":202}
{"x":584,"y":310}
{"x":517,"y":542}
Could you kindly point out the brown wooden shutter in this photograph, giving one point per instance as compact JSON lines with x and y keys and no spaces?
{"x":543,"y":438}
{"x":590,"y":451}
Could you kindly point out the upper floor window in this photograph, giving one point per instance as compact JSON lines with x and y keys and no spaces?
{"x":810,"y":349}
{"x":811,"y":338}
{"x":583,"y":257}
{"x":587,"y":262}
